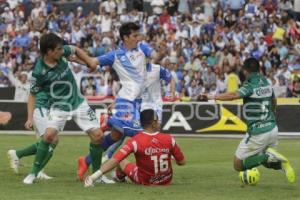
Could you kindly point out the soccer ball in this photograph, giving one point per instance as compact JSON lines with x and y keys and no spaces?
{"x":250,"y":176}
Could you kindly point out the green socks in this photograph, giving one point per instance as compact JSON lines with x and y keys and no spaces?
{"x":254,"y":161}
{"x":273,"y":165}
{"x":41,"y":154}
{"x":49,"y":155}
{"x":96,"y":154}
{"x":28,"y":151}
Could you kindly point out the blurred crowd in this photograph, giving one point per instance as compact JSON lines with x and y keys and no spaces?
{"x":206,"y":41}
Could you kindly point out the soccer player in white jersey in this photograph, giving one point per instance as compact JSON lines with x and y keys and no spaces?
{"x":129,"y":61}
{"x":151,"y":97}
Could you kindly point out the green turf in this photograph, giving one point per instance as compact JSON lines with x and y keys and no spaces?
{"x":208,"y":174}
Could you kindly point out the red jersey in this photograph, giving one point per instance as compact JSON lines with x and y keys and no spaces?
{"x":153,"y":153}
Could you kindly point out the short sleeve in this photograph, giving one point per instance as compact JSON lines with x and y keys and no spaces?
{"x":35,"y":83}
{"x":246,"y":90}
{"x":165,"y":74}
{"x":127,"y":149}
{"x":67,"y":50}
{"x":107,"y":59}
{"x":147,"y":50}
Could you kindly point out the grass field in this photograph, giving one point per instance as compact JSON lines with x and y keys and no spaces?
{"x":208,"y":174}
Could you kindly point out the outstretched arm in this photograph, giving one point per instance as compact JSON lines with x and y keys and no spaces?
{"x":228,"y":96}
{"x":91,"y":62}
{"x":30,"y":109}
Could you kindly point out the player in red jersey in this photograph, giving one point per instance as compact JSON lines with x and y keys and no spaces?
{"x":152,"y":150}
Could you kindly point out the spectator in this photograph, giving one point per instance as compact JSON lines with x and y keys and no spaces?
{"x":22,"y":86}
{"x":8,"y":15}
{"x":232,"y":81}
{"x":157,"y":6}
{"x":90,"y":89}
{"x":280,"y":88}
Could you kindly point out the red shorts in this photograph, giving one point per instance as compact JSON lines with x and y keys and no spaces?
{"x":131,"y":170}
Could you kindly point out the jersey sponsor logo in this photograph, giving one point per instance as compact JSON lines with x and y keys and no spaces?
{"x":150,"y":151}
{"x":123,"y":58}
{"x":262,"y":92}
{"x":160,"y":179}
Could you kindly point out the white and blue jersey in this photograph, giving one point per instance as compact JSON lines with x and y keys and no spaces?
{"x":130,"y":65}
{"x":151,"y":97}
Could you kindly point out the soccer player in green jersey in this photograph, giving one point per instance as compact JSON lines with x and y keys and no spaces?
{"x":37,"y":117}
{"x":262,"y":132}
{"x":52,"y":75}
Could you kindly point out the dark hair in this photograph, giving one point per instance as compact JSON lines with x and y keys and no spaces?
{"x":251,"y":65}
{"x":49,"y":41}
{"x":147,"y":117}
{"x":127,"y":28}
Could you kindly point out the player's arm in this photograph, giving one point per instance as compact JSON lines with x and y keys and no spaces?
{"x":274,"y":103}
{"x":177,"y":153}
{"x":172,"y":88}
{"x":30,"y":109}
{"x":228,"y":96}
{"x":82,"y":56}
{"x":35,"y":87}
{"x":155,"y":56}
{"x":77,"y":60}
{"x":126,"y":150}
{"x":166,"y":75}
{"x":244,"y":91}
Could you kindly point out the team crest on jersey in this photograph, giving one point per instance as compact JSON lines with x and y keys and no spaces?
{"x":132,"y":57}
{"x":154,"y":140}
{"x":136,"y":123}
{"x":123,"y":58}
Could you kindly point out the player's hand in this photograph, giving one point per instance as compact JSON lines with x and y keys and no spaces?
{"x":202,"y":97}
{"x":29,"y":125}
{"x":88,"y":182}
{"x":110,"y":108}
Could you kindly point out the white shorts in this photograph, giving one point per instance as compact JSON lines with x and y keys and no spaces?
{"x":83,"y":116}
{"x":155,"y":107}
{"x":254,"y":144}
{"x":40,"y":117}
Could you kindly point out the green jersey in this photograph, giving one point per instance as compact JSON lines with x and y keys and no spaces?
{"x":258,"y":96}
{"x":57,"y":82}
{"x":41,"y":100}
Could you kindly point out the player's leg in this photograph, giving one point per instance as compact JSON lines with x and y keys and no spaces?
{"x":41,"y":154}
{"x":84,"y":162}
{"x":250,"y":152}
{"x":112,"y":149}
{"x":281,"y":162}
{"x":129,"y":169}
{"x":39,"y":121}
{"x":55,"y":123}
{"x":14,"y":156}
{"x":86,"y":119}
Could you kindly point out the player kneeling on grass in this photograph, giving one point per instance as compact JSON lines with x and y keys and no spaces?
{"x":259,"y":113}
{"x":152,"y":150}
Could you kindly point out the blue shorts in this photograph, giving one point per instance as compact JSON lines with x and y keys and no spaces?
{"x":126,"y":119}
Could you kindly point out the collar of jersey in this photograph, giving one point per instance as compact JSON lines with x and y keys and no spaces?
{"x":253,"y":74}
{"x":47,"y":66}
{"x":144,"y":132}
{"x":122,"y":47}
